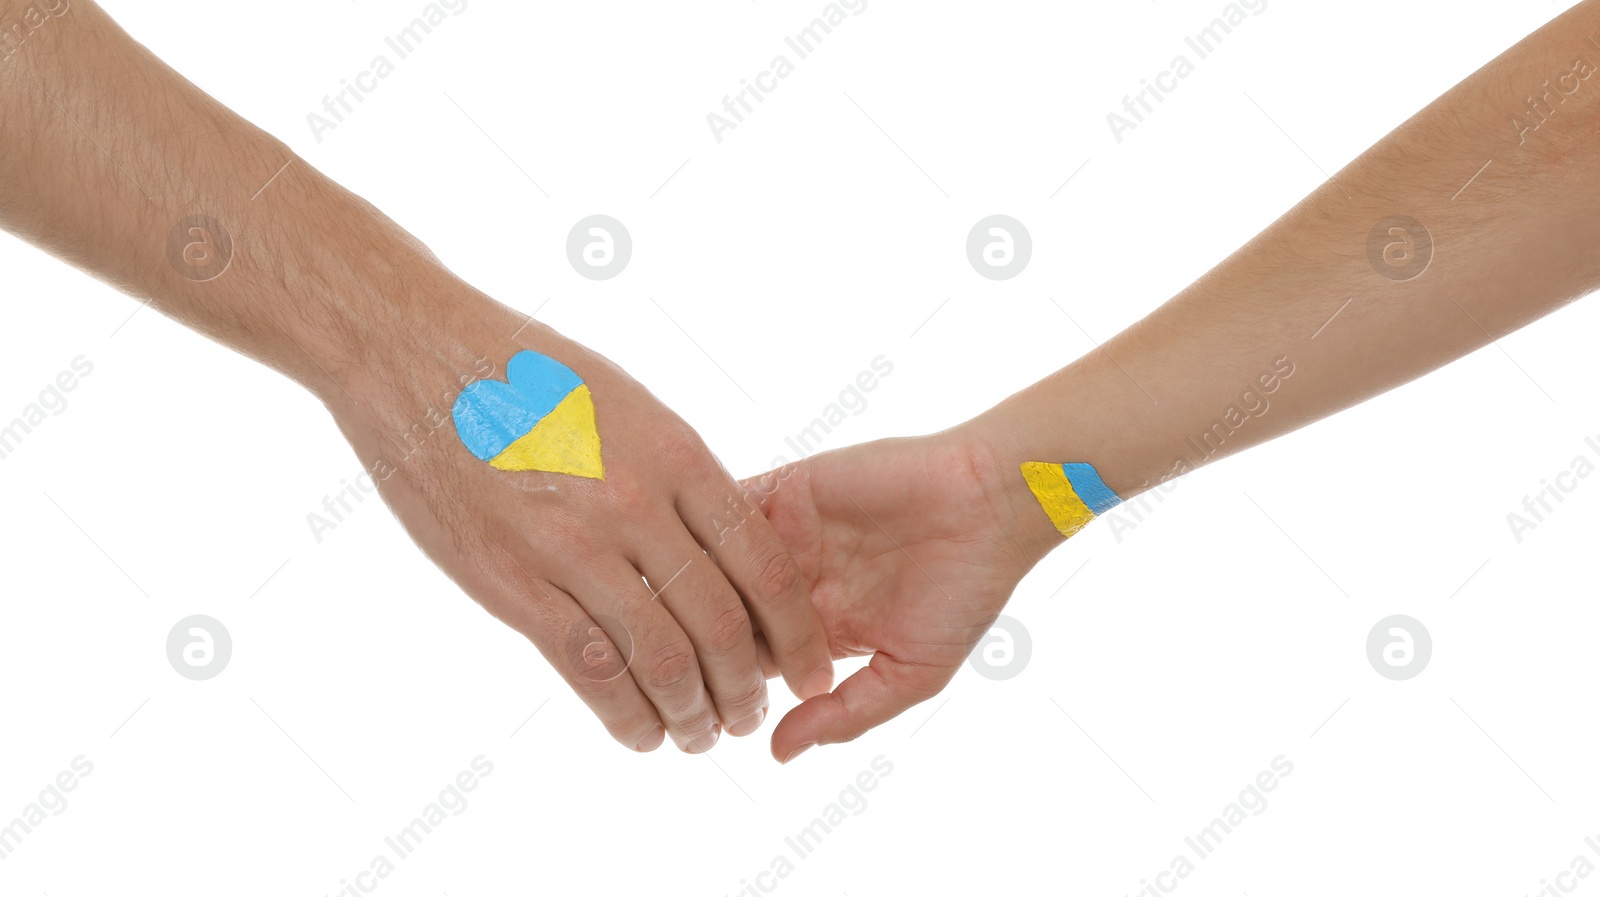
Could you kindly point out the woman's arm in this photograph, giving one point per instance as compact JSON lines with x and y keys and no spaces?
{"x":1465,"y":223}
{"x":1468,"y":221}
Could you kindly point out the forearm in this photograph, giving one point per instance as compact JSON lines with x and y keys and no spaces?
{"x":1301,"y":323}
{"x":569,"y":500}
{"x":119,"y":165}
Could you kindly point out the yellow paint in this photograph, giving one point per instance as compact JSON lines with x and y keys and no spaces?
{"x":565,"y":441}
{"x":1056,"y":495}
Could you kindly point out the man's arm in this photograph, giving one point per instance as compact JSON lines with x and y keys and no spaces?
{"x":114,"y":162}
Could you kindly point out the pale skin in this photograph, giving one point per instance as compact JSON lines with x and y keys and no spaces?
{"x":915,"y":576}
{"x":104,"y":150}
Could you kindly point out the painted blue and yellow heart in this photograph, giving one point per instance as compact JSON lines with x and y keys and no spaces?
{"x":540,"y":418}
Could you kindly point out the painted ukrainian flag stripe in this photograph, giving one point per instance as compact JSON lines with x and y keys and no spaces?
{"x":1071,"y":494}
{"x":1086,"y":482}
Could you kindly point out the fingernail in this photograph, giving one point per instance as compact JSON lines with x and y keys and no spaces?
{"x":818,"y":683}
{"x":703,"y":743}
{"x":651,"y":741}
{"x":798,"y":751}
{"x":748,"y":724}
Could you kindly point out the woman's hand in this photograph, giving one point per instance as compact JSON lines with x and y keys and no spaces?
{"x":910,"y":548}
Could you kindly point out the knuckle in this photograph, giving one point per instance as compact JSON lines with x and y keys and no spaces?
{"x":852,"y":734}
{"x":599,"y":670}
{"x":746,"y":697}
{"x":680,"y":448}
{"x":696,"y":722}
{"x":776,"y":575}
{"x":592,"y":686}
{"x":670,"y":667}
{"x":631,"y":497}
{"x":920,"y":687}
{"x":728,"y":631}
{"x":594,"y":658}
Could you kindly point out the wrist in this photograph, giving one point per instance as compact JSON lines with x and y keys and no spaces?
{"x":395,"y":393}
{"x":1048,"y":484}
{"x":1021,"y":519}
{"x":316,"y":283}
{"x":342,"y":300}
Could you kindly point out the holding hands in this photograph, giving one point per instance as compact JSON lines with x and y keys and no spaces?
{"x":910,"y":547}
{"x":596,"y":540}
{"x":574,"y":506}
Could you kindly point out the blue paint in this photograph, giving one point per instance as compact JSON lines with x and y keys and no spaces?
{"x":490,"y":415}
{"x":1093,"y":490}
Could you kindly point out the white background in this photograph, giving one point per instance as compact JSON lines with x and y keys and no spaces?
{"x":1226,"y":629}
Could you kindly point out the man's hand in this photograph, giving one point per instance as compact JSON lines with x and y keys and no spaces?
{"x":115,"y":162}
{"x":630,"y":585}
{"x":910,"y":549}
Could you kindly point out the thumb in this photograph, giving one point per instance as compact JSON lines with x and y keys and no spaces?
{"x":870,"y":697}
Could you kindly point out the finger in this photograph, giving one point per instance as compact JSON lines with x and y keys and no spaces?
{"x":663,"y":662}
{"x":709,"y":611}
{"x":869,"y":697}
{"x":758,"y":564}
{"x":593,"y":663}
{"x":769,"y":666}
